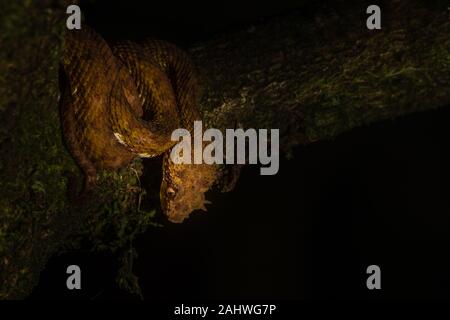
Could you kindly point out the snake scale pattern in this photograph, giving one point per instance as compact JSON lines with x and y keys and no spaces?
{"x":123,"y":101}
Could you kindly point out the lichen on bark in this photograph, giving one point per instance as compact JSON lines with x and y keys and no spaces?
{"x":316,"y":78}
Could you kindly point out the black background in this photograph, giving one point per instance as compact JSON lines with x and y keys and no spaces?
{"x":375,"y":195}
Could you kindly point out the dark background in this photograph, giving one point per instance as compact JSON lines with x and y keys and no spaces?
{"x":375,"y":195}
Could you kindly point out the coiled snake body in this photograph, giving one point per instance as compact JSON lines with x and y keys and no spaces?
{"x":125,"y":101}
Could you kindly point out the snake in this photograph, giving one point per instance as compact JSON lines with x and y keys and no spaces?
{"x":123,"y":101}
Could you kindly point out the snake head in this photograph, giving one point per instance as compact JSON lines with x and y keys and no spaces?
{"x":183,"y":188}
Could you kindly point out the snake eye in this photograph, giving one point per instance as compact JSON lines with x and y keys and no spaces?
{"x":171,"y":191}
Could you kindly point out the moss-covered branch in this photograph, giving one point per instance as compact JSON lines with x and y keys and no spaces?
{"x":314,"y":79}
{"x":36,"y":220}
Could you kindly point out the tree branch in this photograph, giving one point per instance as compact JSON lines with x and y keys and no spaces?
{"x":316,"y":78}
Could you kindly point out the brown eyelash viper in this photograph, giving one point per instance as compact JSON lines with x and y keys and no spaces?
{"x":123,"y":101}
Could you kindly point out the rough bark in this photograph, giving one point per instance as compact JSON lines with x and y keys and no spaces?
{"x":312,"y":78}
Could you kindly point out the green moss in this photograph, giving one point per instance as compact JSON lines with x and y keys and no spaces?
{"x":36,"y":219}
{"x":357,"y":89}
